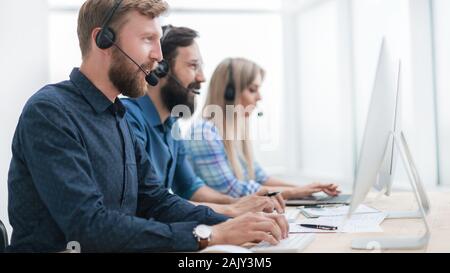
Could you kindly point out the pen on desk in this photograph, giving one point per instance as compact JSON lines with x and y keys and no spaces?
{"x":322,"y":206}
{"x":319,"y":227}
{"x":271,"y":194}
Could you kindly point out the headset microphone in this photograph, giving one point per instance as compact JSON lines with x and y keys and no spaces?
{"x":193,"y":91}
{"x":161,"y":71}
{"x":259,"y":112}
{"x":150,"y":77}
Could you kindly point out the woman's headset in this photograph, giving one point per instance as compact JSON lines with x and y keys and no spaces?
{"x":230,"y":89}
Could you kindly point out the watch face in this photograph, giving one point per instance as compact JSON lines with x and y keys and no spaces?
{"x":203,"y":231}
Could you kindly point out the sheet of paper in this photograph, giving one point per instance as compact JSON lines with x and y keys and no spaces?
{"x":225,"y":249}
{"x":338,"y":211}
{"x":358,"y":223}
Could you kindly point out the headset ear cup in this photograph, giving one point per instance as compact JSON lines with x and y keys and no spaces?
{"x":163,"y":69}
{"x":105,"y":38}
{"x":230,"y":92}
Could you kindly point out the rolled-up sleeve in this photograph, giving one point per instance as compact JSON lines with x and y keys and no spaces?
{"x":185,"y":182}
{"x":63,"y":176}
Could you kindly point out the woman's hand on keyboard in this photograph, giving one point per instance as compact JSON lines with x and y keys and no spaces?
{"x":305,"y":191}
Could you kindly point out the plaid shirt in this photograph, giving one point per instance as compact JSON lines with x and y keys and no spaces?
{"x":206,"y":152}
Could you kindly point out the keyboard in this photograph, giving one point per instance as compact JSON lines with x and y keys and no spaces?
{"x":338,"y":199}
{"x":294,"y":244}
{"x":320,"y":200}
{"x":291,"y":215}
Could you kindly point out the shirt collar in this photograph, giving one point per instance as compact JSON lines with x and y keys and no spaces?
{"x":98,"y":101}
{"x":117,"y":108}
{"x":151,"y":114}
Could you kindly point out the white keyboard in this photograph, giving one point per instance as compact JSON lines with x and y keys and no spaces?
{"x":294,"y":244}
{"x":291,"y":215}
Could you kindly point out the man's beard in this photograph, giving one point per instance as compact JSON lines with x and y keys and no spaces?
{"x":173,"y":94}
{"x":125,"y":77}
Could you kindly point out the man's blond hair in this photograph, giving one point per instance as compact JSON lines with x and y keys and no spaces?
{"x":93,"y":14}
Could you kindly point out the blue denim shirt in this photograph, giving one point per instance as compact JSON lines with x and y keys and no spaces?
{"x":78,"y":174}
{"x":167,"y":153}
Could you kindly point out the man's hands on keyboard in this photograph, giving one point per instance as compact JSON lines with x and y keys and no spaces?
{"x":251,"y":227}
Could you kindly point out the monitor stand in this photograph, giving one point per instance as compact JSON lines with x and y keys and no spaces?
{"x":418,"y":242}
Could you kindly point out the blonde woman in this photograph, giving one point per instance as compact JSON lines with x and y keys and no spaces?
{"x":219,"y":146}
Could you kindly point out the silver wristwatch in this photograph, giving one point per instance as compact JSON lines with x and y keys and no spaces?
{"x":203,"y":235}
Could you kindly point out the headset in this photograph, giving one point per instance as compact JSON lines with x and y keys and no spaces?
{"x":230,"y":89}
{"x":163,"y":68}
{"x":106,"y":38}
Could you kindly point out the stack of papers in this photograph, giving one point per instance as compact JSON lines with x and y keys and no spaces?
{"x":358,"y":223}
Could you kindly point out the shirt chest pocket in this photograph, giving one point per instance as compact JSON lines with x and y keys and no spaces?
{"x":128,"y":201}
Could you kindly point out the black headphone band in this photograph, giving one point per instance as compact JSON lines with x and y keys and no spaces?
{"x":107,"y":37}
{"x":230,"y":72}
{"x":111,"y":13}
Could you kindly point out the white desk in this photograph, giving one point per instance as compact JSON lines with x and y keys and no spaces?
{"x":439,"y":221}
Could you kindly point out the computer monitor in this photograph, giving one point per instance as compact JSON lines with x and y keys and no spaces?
{"x":382,"y":140}
{"x":387,"y":170}
{"x":375,"y":165}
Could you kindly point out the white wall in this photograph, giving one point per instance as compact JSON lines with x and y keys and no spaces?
{"x":406,"y":26}
{"x":324,"y":93}
{"x":23,"y":70}
{"x":333,"y":51}
{"x":442,"y":60}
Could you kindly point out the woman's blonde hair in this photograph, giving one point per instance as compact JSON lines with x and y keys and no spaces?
{"x":244,"y":73}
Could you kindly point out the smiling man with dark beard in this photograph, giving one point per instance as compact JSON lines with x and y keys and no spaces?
{"x":174,"y":94}
{"x":152,"y":123}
